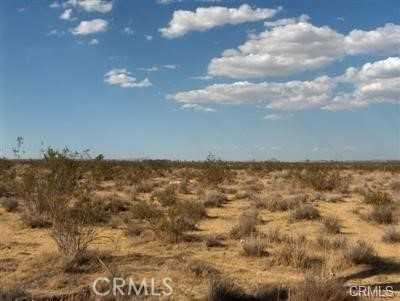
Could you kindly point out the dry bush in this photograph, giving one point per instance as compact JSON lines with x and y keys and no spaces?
{"x":274,"y":235}
{"x":277,"y":203}
{"x":134,"y":228}
{"x":391,"y":235}
{"x":377,"y":198}
{"x":304,"y":212}
{"x":213,"y":198}
{"x":145,"y":186}
{"x":142,"y":210}
{"x":360,"y":252}
{"x":13,"y":294}
{"x":166,"y":196}
{"x":246,"y":225}
{"x":332,"y":243}
{"x":224,"y":290}
{"x":213,"y":241}
{"x":331,"y":224}
{"x":215,"y":171}
{"x":253,"y":246}
{"x":294,"y":252}
{"x":10,"y":204}
{"x":382,"y":215}
{"x":395,"y":186}
{"x":202,"y":269}
{"x":318,"y":289}
{"x":323,"y":180}
{"x":258,"y":201}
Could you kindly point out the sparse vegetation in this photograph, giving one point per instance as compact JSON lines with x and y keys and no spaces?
{"x":391,"y":235}
{"x":305,"y":212}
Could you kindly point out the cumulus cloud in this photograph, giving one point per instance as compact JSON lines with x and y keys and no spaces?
{"x":292,"y":95}
{"x":280,"y":51}
{"x":99,"y":6}
{"x":90,"y":27}
{"x":124,"y":79}
{"x":67,"y":14}
{"x":372,"y":83}
{"x":384,"y":39}
{"x":290,"y":46}
{"x":94,"y":42}
{"x":205,"y":18}
{"x":376,"y":82}
{"x":196,"y":107}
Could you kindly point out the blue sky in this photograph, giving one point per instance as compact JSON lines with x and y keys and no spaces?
{"x":177,"y":79}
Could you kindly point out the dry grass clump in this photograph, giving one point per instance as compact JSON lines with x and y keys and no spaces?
{"x":377,"y":198}
{"x":391,"y":235}
{"x":202,"y":269}
{"x":360,"y":252}
{"x":277,"y":203}
{"x":395,"y":186}
{"x":305,"y":212}
{"x":10,"y":204}
{"x":215,"y":171}
{"x":331,"y":224}
{"x":294,"y":252}
{"x":318,"y":289}
{"x":145,"y":186}
{"x":253,"y":246}
{"x":224,"y":290}
{"x":166,"y":196}
{"x":213,"y":198}
{"x":382,"y":215}
{"x":142,"y":210}
{"x":258,"y":201}
{"x":323,"y":180}
{"x":332,"y":243}
{"x":213,"y":241}
{"x":246,"y":225}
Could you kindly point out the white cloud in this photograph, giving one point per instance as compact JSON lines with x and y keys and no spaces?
{"x":384,"y":40}
{"x":274,"y":116}
{"x":56,"y":32}
{"x":170,"y":66}
{"x":67,"y":14}
{"x":55,"y":5}
{"x":196,"y":107}
{"x":280,"y":51}
{"x":90,"y":27}
{"x":150,"y":69}
{"x":148,"y":37}
{"x":123,"y":78}
{"x":166,"y":2}
{"x":128,"y":30}
{"x":99,"y":6}
{"x":203,"y":77}
{"x":94,"y":42}
{"x":292,"y":95}
{"x":205,"y":18}
{"x":376,"y":82}
{"x":290,"y":46}
{"x":287,"y":21}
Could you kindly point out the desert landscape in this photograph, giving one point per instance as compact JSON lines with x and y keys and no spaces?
{"x":218,"y":230}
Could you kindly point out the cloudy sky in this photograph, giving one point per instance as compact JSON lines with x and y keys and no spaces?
{"x":180,"y":78}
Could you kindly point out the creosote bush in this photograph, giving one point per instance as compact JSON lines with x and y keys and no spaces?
{"x":382,"y":214}
{"x":213,"y":198}
{"x":360,"y":252}
{"x":253,"y":246}
{"x":305,"y":212}
{"x":246,"y":225}
{"x":166,"y":196}
{"x":377,"y":198}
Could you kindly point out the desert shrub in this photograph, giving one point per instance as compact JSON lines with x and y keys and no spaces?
{"x":13,"y":294}
{"x":391,"y":235}
{"x":215,"y":171}
{"x":166,"y":196}
{"x":323,"y":181}
{"x":255,"y":187}
{"x":331,"y":224}
{"x":258,"y":201}
{"x":305,"y":212}
{"x":395,"y":186}
{"x":294,"y":253}
{"x":332,"y":243}
{"x":246,"y":225}
{"x":224,"y":290}
{"x":145,"y":186}
{"x":10,"y":204}
{"x":377,"y":198}
{"x":242,"y":195}
{"x":360,"y":252}
{"x":274,"y":235}
{"x":213,"y":241}
{"x":134,"y":228}
{"x":382,"y":215}
{"x":142,"y":210}
{"x":276,"y":203}
{"x":202,"y":269}
{"x":319,"y":288}
{"x":253,"y":246}
{"x":213,"y":198}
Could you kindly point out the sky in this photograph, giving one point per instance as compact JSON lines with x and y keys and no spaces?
{"x":177,"y":79}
